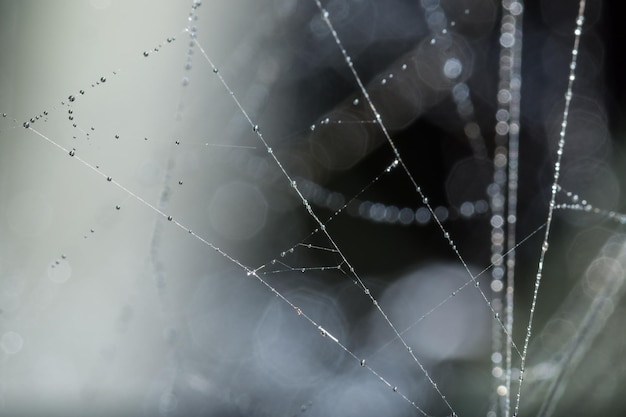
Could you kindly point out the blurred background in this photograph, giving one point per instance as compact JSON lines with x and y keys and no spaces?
{"x":108,"y":307}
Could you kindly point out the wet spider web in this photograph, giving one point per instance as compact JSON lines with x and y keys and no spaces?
{"x":251,"y":256}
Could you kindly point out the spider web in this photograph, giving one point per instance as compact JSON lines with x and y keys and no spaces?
{"x":179,"y":215}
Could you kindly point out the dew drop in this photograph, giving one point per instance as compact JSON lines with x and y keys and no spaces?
{"x":103,"y":79}
{"x":72,"y":152}
{"x":117,"y":136}
{"x":282,"y":254}
{"x":118,"y":207}
{"x":362,"y":362}
{"x":169,"y":218}
{"x":544,"y":247}
{"x":146,"y":53}
{"x":355,"y":102}
{"x":109,"y":179}
{"x":26,"y":125}
{"x":71,"y":98}
{"x":395,"y":389}
{"x":215,"y":70}
{"x":180,"y":183}
{"x":177,"y":142}
{"x":82,"y":91}
{"x":312,"y":128}
{"x":255,"y":128}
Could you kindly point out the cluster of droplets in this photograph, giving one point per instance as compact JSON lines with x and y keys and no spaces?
{"x":157,"y":48}
{"x":192,"y":31}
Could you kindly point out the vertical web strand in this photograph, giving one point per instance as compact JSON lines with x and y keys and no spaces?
{"x":557,"y":170}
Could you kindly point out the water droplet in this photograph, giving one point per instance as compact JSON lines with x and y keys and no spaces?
{"x":544,"y":247}
{"x":282,"y":254}
{"x":299,"y":311}
{"x":294,"y":184}
{"x":82,"y":91}
{"x":270,"y":151}
{"x":118,"y":207}
{"x":362,"y":362}
{"x":109,"y":179}
{"x":146,"y":53}
{"x":169,"y":218}
{"x":117,"y":136}
{"x":355,"y":102}
{"x":103,"y":79}
{"x":323,"y":332}
{"x":5,"y":115}
{"x":72,"y":152}
{"x":71,"y":98}
{"x":26,"y":125}
{"x":215,"y":70}
{"x":312,"y":127}
{"x":255,"y":128}
{"x":180,"y":183}
{"x":395,"y":389}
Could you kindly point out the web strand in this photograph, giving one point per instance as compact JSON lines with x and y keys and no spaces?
{"x":552,"y":205}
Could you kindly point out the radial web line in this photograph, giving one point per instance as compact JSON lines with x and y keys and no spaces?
{"x":557,"y":170}
{"x":462,"y":287}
